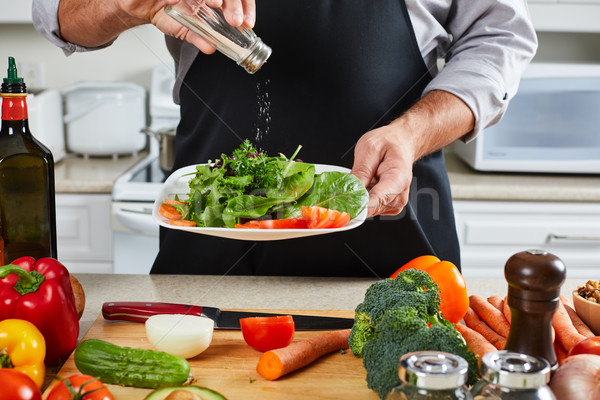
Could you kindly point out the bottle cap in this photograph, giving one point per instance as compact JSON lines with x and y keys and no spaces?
{"x":12,"y":83}
{"x":433,"y":370}
{"x":515,"y":370}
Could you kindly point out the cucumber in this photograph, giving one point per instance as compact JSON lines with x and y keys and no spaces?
{"x":201,"y":392}
{"x":127,"y":366}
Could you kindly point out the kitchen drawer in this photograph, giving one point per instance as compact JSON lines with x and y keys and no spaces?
{"x":83,"y":232}
{"x":490,"y":232}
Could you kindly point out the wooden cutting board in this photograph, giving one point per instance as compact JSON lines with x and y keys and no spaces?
{"x":228,"y":366}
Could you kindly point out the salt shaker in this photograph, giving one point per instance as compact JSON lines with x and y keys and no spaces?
{"x":432,"y":376}
{"x":238,"y":43}
{"x":508,"y":375}
{"x":534,"y":279}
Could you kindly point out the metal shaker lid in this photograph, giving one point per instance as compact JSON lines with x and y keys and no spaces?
{"x":433,"y":370}
{"x":515,"y":370}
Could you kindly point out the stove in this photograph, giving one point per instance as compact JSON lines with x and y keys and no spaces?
{"x":135,"y":232}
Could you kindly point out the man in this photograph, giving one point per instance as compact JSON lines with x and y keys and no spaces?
{"x":359,"y":84}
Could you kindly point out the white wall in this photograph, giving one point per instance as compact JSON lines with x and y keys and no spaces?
{"x":130,"y":58}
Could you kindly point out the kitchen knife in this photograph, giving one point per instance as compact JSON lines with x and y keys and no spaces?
{"x":139,"y":311}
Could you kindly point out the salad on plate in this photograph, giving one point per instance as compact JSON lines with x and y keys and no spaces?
{"x":251,"y":190}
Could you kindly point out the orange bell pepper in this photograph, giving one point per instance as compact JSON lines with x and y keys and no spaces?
{"x":453,"y":289}
{"x":23,"y":348}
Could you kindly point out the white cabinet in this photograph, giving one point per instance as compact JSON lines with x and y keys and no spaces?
{"x":565,"y":15}
{"x":84,"y":233}
{"x":15,"y":11}
{"x":492,"y":231}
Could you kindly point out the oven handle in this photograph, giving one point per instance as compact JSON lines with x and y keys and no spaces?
{"x":140,"y":220}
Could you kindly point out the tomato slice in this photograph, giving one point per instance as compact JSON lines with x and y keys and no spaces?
{"x":182,"y":222}
{"x":268,"y":333}
{"x":173,"y":201}
{"x":288,"y":223}
{"x":252,"y":224}
{"x":323,"y":218}
{"x":169,"y":212}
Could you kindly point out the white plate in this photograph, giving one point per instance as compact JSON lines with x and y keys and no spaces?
{"x":177,"y":184}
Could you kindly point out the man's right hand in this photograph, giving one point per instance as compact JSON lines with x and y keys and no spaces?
{"x":95,"y":23}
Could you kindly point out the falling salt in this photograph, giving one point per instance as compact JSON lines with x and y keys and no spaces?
{"x":262,"y":125}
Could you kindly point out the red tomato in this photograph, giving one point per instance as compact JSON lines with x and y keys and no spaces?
{"x":268,"y":333}
{"x":323,"y":218}
{"x":290,"y":223}
{"x":169,"y":212}
{"x":81,"y":384}
{"x":17,"y":386}
{"x":587,"y":346}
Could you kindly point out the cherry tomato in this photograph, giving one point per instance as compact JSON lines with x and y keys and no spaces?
{"x":83,"y":387}
{"x":268,"y":333}
{"x":17,"y":386}
{"x":587,"y":346}
{"x":324,"y":218}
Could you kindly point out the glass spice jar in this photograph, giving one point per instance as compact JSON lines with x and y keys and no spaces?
{"x":508,"y":375}
{"x":428,"y":375}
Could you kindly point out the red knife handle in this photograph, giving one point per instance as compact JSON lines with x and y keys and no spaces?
{"x":140,"y":311}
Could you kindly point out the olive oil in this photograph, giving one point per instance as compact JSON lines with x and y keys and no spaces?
{"x":27,"y":202}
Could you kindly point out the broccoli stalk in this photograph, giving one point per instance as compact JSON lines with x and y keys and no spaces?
{"x":400,"y":316}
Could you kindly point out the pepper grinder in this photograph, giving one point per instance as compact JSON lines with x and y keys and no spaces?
{"x":534,"y":279}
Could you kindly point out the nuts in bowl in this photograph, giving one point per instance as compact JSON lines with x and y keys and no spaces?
{"x":586,"y":300}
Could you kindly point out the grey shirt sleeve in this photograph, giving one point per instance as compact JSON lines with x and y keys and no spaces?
{"x":485,"y":46}
{"x":45,"y":21}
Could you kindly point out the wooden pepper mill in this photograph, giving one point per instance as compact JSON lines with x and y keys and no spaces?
{"x":534,"y":280}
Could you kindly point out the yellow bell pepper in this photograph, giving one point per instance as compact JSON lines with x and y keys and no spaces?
{"x":23,"y":348}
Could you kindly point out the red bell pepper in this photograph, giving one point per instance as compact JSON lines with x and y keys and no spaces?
{"x":40,"y":292}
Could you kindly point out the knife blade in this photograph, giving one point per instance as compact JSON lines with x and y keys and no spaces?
{"x":140,"y":311}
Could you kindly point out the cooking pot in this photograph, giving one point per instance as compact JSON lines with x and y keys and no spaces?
{"x":166,"y":142}
{"x":104,"y":118}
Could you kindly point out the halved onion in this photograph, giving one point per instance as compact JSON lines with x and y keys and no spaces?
{"x":181,"y":335}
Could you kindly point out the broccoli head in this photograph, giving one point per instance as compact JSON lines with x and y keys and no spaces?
{"x":402,"y":331}
{"x":411,"y":288}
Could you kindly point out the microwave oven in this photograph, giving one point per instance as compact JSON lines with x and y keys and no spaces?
{"x":552,"y":125}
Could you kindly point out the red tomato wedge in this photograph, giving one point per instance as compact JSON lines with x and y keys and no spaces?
{"x":268,"y":333}
{"x":288,"y":223}
{"x":324,"y":218}
{"x":182,"y":222}
{"x":169,"y":212}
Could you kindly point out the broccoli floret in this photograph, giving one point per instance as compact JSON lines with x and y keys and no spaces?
{"x":402,"y":331}
{"x":411,"y":288}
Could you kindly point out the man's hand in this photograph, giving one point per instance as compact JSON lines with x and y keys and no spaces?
{"x":383,"y":163}
{"x":383,"y":157}
{"x":95,"y":23}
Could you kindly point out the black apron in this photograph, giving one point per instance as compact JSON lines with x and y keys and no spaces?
{"x":339,"y":68}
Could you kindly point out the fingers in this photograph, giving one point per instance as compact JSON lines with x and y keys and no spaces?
{"x":238,"y":12}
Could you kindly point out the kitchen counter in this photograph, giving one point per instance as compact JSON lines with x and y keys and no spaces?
{"x":247,"y":292}
{"x":77,"y":174}
{"x":469,"y":184}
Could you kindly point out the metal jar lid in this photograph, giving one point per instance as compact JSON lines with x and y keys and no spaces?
{"x":433,"y":370}
{"x":515,"y":370}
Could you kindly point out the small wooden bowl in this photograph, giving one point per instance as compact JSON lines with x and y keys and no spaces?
{"x":589,"y":312}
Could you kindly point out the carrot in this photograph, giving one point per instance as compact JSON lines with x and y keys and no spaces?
{"x":182,"y":222}
{"x":577,"y":322}
{"x":564,"y":329}
{"x":169,"y":212}
{"x":561,"y":354}
{"x":506,"y":310}
{"x":496,"y":301}
{"x":490,"y":315}
{"x":474,"y":322}
{"x":476,"y":342}
{"x":274,"y":364}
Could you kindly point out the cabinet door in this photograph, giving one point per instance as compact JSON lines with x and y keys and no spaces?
{"x":15,"y":11}
{"x":84,"y":232}
{"x":490,"y":232}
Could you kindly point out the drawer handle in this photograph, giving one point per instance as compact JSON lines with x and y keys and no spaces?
{"x":553,"y":236}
